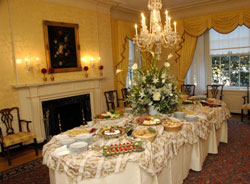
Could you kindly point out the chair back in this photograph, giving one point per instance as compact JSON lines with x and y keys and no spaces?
{"x":214,"y":90}
{"x":112,"y":100}
{"x":188,"y":89}
{"x":125,"y":96}
{"x":246,"y":97}
{"x":7,"y":118}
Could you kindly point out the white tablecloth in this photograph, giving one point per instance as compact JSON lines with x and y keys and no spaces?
{"x":188,"y":157}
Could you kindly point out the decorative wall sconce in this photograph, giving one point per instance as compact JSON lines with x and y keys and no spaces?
{"x":92,"y":63}
{"x":29,"y":62}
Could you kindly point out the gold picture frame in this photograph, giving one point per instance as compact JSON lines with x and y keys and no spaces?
{"x":62,"y":46}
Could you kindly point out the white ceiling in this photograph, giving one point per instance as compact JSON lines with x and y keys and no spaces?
{"x":141,"y":5}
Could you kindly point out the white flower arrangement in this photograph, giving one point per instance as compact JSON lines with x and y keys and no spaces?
{"x":154,"y":86}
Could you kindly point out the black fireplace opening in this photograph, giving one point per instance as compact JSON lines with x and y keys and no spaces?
{"x":63,"y":114}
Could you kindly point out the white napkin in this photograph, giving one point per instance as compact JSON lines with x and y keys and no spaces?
{"x":63,"y":150}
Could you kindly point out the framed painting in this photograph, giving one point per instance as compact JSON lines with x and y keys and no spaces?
{"x":62,"y":46}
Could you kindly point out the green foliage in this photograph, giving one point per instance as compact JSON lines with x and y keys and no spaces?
{"x":154,"y":86}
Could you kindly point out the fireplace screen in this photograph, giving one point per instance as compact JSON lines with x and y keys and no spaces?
{"x":65,"y":113}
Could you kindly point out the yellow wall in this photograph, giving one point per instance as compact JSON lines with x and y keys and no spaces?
{"x":8,"y":96}
{"x":27,"y":17}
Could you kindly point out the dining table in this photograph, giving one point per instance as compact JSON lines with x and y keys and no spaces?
{"x":165,"y":160}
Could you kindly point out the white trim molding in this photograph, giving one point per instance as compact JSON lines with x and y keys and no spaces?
{"x":31,"y":97}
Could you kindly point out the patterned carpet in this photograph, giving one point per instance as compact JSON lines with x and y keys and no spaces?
{"x":230,"y":166}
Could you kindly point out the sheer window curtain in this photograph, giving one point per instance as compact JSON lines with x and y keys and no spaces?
{"x":199,"y":72}
{"x":236,"y":42}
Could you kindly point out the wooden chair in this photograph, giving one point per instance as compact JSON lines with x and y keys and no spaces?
{"x":125,"y":96}
{"x":214,"y":90}
{"x":246,"y":105}
{"x":188,"y":89}
{"x":11,"y":138}
{"x":112,"y":99}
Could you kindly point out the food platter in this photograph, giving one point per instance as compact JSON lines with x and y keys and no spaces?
{"x":122,"y":148}
{"x":210,"y":103}
{"x":110,"y":115}
{"x":111,"y":132}
{"x":172,"y":125}
{"x":148,"y":120}
{"x":145,"y":133}
{"x":78,"y":131}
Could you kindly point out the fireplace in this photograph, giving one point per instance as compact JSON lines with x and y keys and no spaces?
{"x":63,"y":114}
{"x":32,"y":98}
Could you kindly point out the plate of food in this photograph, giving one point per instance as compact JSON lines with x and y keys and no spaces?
{"x":77,"y":131}
{"x":110,"y":115}
{"x":210,"y":103}
{"x":111,"y":132}
{"x":122,"y":148}
{"x":145,"y":133}
{"x":148,"y":120}
{"x":172,"y":125}
{"x":188,"y":102}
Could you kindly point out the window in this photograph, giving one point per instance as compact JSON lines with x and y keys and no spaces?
{"x":134,"y":57}
{"x":230,"y":55}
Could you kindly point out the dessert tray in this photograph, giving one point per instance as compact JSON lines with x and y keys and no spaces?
{"x":145,"y":133}
{"x":111,"y":132}
{"x":148,"y":120}
{"x":172,"y":125}
{"x":122,"y":148}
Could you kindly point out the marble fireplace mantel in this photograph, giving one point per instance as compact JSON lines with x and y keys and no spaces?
{"x":31,"y":97}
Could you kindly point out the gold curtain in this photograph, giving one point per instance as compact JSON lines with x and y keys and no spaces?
{"x":121,"y":32}
{"x":191,"y":28}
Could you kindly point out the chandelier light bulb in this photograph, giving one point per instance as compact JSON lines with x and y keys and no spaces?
{"x":174,"y":26}
{"x":136,"y":30}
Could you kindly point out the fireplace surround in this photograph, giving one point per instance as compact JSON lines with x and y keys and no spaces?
{"x":31,"y":97}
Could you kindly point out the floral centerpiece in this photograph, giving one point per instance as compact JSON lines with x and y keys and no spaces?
{"x":154,"y":88}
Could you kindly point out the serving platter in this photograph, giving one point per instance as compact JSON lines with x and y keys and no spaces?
{"x":111,"y":132}
{"x":145,"y":133}
{"x":172,"y":125}
{"x":149,"y":120}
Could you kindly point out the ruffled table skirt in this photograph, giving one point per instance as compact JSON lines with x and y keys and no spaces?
{"x":188,"y":157}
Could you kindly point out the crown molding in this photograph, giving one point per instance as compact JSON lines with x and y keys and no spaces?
{"x":94,"y":5}
{"x":196,"y":4}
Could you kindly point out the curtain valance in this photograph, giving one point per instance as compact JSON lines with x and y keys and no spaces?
{"x":191,"y":28}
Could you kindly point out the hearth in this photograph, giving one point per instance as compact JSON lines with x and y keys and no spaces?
{"x":63,"y":114}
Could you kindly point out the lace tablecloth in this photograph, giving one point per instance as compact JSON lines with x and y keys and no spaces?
{"x":92,"y":164}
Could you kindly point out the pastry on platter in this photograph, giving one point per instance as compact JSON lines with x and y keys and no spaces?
{"x":74,"y":132}
{"x":172,"y":125}
{"x":145,"y":133}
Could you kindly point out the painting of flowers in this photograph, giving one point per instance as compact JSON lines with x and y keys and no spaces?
{"x":62,"y":46}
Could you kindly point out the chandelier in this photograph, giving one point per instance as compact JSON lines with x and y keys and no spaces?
{"x":158,"y":34}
